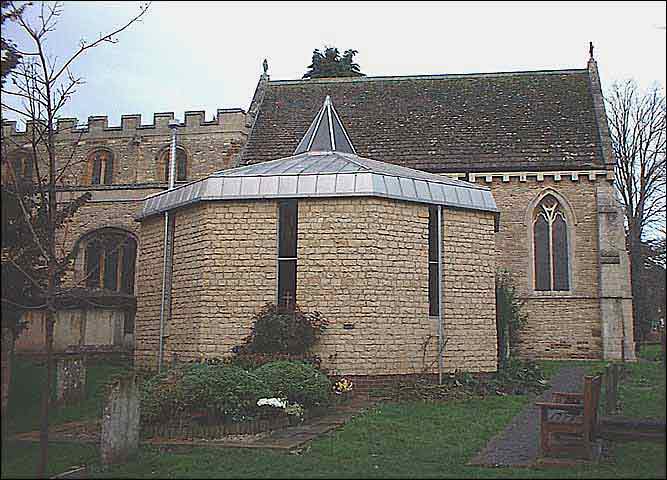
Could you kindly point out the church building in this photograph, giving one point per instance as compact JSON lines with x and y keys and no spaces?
{"x":525,"y":158}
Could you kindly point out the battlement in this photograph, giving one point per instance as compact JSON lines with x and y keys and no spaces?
{"x":226,"y":120}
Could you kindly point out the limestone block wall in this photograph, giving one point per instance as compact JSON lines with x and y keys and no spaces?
{"x":560,"y":324}
{"x":363,"y":263}
{"x":224,"y":272}
{"x":210,"y":145}
{"x":149,"y":283}
{"x":469,"y":257}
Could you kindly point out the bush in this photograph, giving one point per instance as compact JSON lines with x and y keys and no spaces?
{"x":162,"y":397}
{"x":509,"y":318}
{"x":222,"y":390}
{"x":218,"y":390}
{"x":279,"y":330}
{"x":520,"y":377}
{"x":251,"y":361}
{"x":298,"y":381}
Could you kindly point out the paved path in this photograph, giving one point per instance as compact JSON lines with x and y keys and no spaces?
{"x":518,"y":444}
{"x":283,"y":439}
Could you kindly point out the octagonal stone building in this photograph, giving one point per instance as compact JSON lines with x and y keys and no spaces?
{"x":399,"y":261}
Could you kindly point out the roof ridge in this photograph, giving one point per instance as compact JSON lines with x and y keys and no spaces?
{"x":438,"y":76}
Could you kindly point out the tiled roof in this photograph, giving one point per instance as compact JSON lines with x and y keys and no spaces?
{"x":443,"y":123}
{"x":324,"y":165}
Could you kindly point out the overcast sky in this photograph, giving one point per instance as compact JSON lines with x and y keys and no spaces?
{"x":208,"y":55}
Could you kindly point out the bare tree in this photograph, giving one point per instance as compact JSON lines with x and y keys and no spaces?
{"x":41,"y":85}
{"x":637,"y":124}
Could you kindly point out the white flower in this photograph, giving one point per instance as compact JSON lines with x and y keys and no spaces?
{"x":272,"y":402}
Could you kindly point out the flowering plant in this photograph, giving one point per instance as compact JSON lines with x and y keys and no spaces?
{"x":342,"y":386}
{"x":272,"y":402}
{"x":294,"y":409}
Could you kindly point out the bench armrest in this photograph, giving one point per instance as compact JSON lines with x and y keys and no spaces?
{"x":568,"y":394}
{"x":567,"y":397}
{"x":572,"y":407}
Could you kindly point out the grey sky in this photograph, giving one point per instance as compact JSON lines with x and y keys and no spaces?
{"x":208,"y":55}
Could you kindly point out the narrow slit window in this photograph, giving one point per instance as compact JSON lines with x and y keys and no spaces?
{"x":287,"y":247}
{"x":433,"y":263}
{"x":181,"y":164}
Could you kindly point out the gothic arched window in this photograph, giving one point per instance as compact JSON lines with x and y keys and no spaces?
{"x":551,"y":244}
{"x":101,"y":167}
{"x":110,"y":257}
{"x":22,"y":165}
{"x":181,"y":164}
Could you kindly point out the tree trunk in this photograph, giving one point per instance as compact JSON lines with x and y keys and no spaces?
{"x":638,"y":290}
{"x":46,"y":393}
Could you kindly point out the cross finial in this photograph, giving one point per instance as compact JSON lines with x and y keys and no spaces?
{"x":590,"y":49}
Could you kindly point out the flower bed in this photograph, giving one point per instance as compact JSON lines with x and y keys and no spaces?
{"x":189,"y":429}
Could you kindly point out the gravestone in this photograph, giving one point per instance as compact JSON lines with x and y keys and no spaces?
{"x":70,"y":380}
{"x":120,"y":421}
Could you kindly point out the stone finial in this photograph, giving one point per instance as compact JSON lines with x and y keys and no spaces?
{"x":590,"y":49}
{"x":265,"y":66}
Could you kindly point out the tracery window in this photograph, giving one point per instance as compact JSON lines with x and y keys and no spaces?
{"x":110,"y":258}
{"x":551,"y":244}
{"x":101,"y":167}
{"x":181,"y":164}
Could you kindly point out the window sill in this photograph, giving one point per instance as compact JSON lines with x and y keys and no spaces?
{"x":552,"y":294}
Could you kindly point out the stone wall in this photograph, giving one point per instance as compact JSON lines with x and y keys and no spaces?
{"x":560,"y":324}
{"x":469,"y":257}
{"x":210,"y":146}
{"x":149,"y":284}
{"x":74,"y":328}
{"x":224,"y":271}
{"x":363,"y":263}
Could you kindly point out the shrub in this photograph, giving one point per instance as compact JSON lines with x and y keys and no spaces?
{"x":162,"y":396}
{"x":219,"y":390}
{"x":251,"y":361}
{"x":280,"y":330}
{"x":509,"y":318}
{"x":298,"y":381}
{"x":222,"y":390}
{"x":519,"y":377}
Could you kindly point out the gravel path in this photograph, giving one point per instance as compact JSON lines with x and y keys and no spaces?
{"x":518,"y":444}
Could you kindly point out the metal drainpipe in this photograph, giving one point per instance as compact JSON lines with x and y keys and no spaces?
{"x":441,"y":333}
{"x":173,"y":125}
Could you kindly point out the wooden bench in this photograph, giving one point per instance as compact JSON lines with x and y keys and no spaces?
{"x":568,"y":424}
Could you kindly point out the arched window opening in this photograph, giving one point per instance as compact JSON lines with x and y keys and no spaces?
{"x":181,"y":164}
{"x":101,"y":167}
{"x":110,"y":261}
{"x":551,"y":244}
{"x":22,"y":165}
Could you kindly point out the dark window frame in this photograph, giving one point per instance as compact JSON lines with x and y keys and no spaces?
{"x":181,"y":164}
{"x":433,"y":262}
{"x":110,"y":261}
{"x":288,"y":233}
{"x":101,"y":168}
{"x":23,"y":165}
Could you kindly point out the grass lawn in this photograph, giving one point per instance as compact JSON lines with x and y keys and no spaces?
{"x":25,"y":396}
{"x":410,"y":439}
{"x":651,"y":352}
